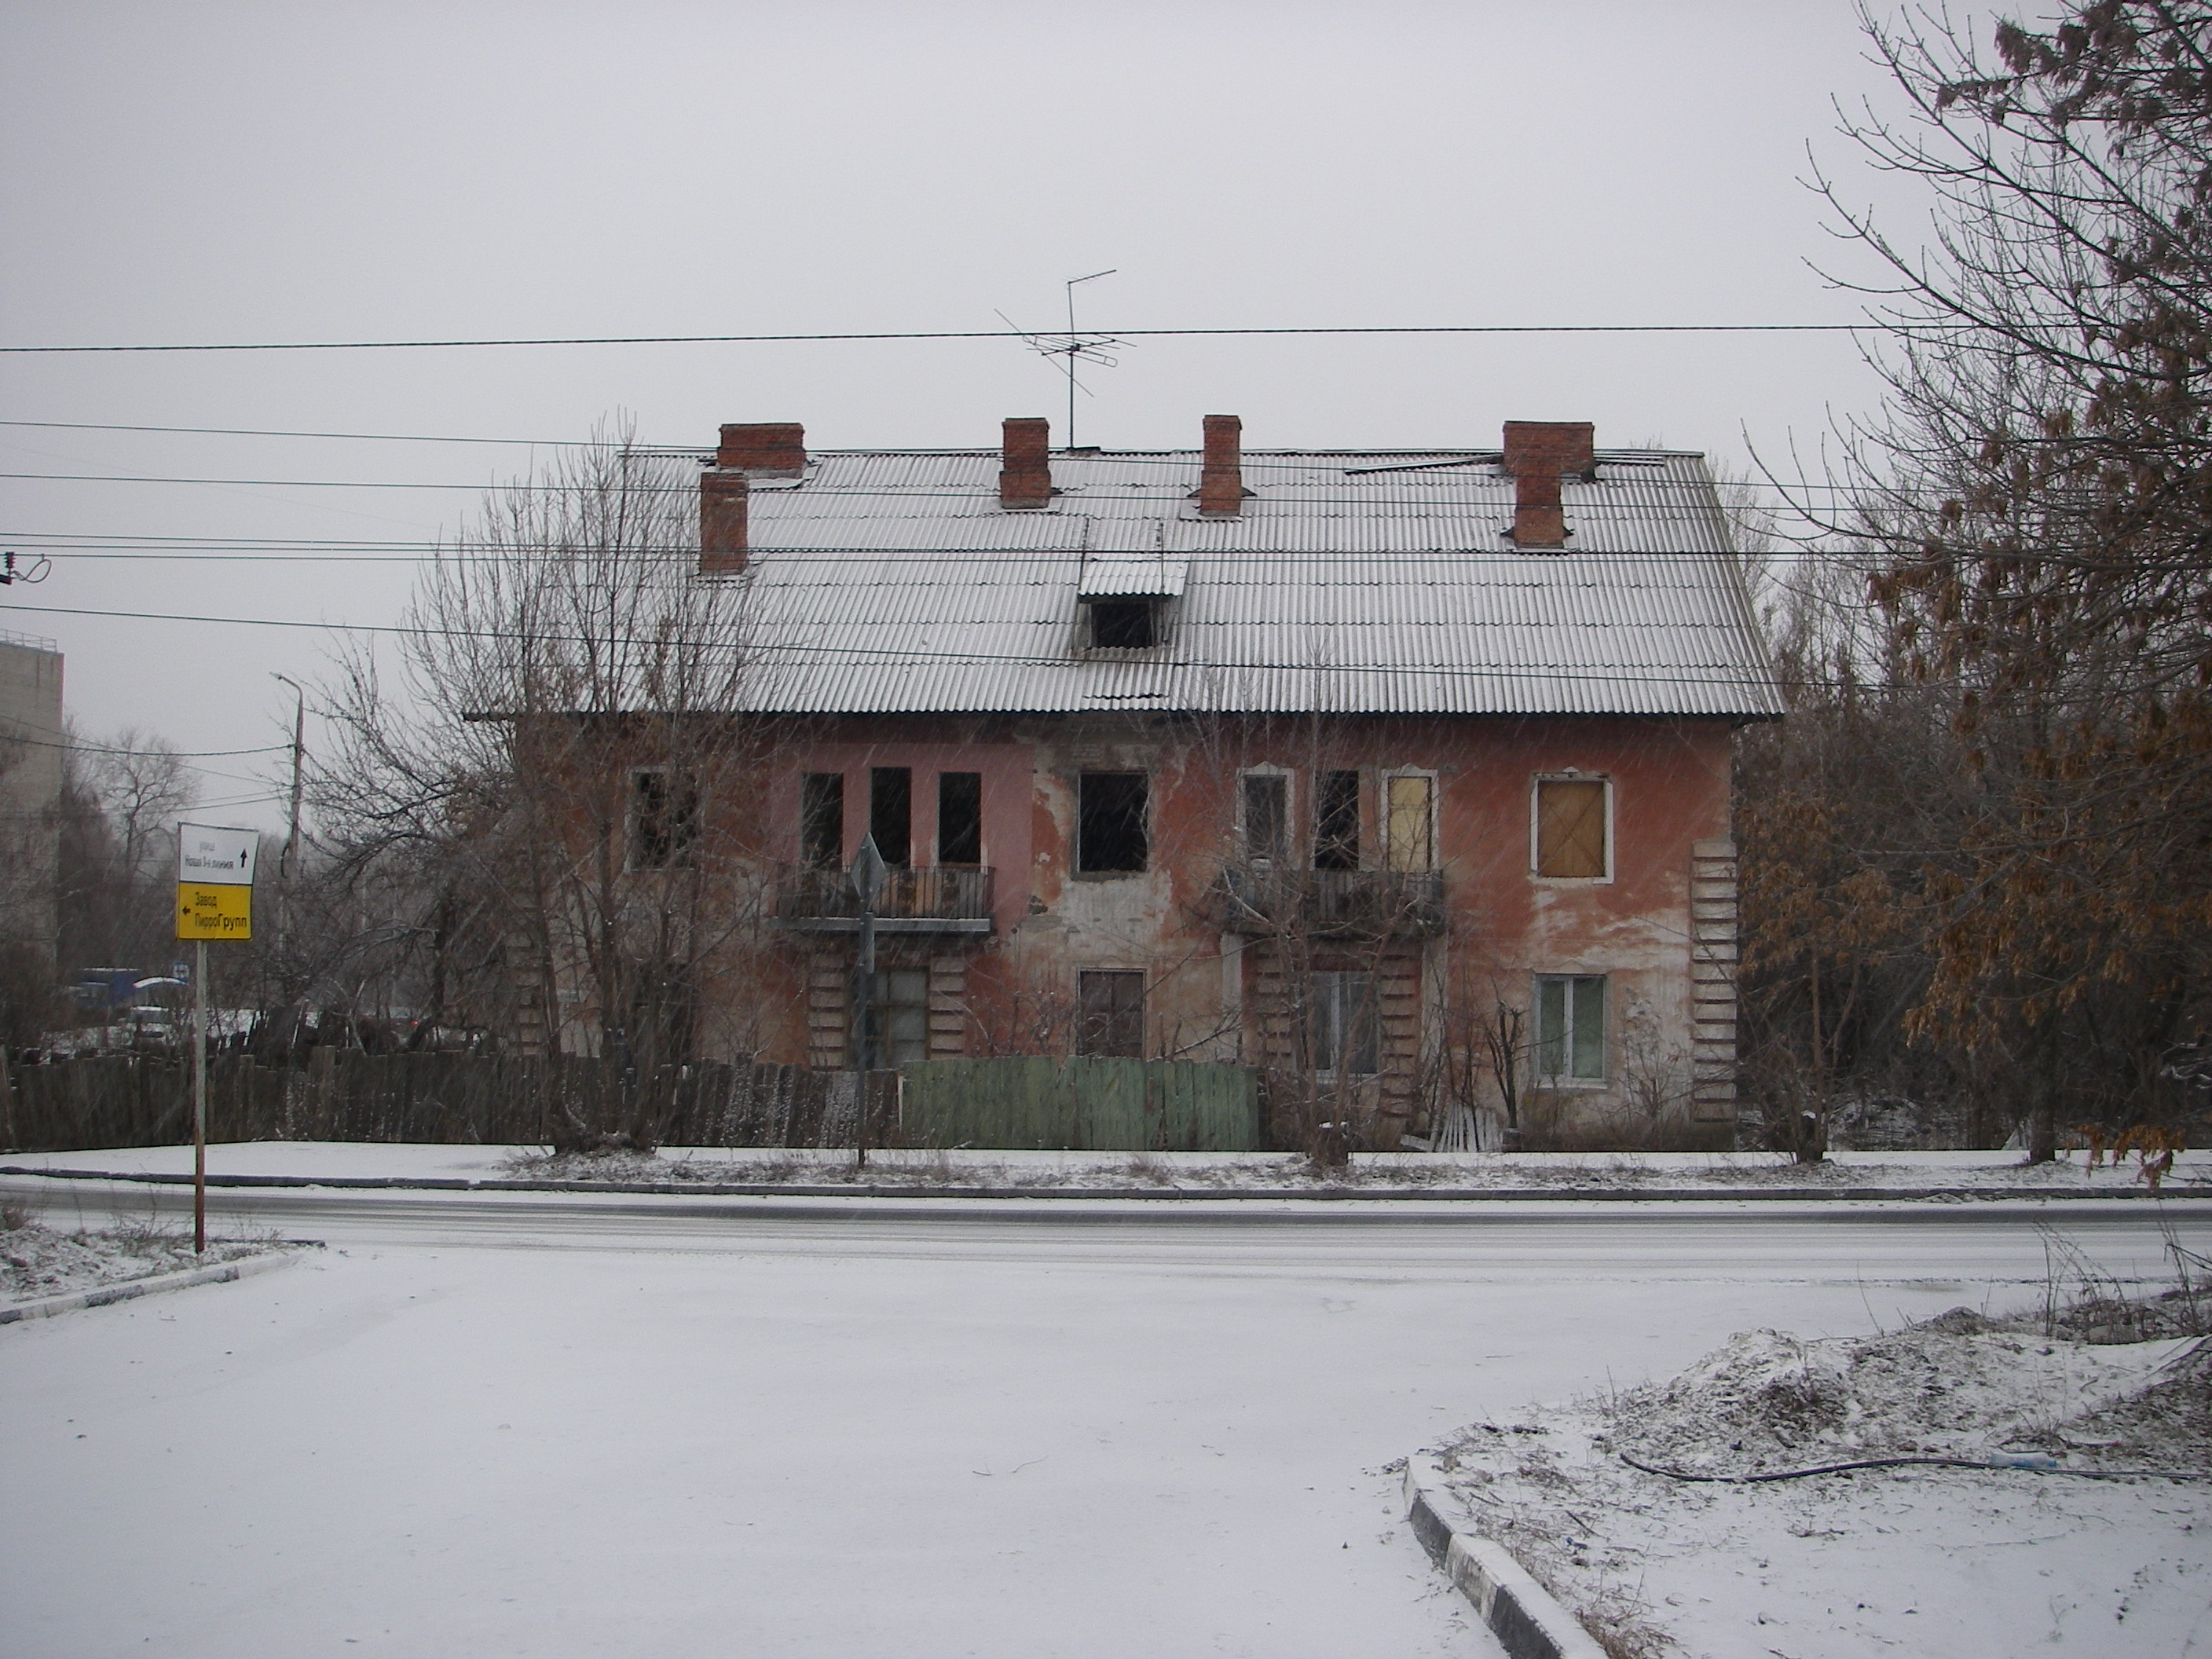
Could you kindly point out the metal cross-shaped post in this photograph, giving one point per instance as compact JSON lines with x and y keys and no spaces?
{"x":867,"y":876}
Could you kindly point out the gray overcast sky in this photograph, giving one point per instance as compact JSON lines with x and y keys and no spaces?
{"x":313,"y":172}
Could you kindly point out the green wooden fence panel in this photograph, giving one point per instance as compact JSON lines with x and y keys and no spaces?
{"x":1039,"y":1104}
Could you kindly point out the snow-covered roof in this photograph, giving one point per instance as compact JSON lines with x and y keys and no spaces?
{"x":892,"y":581}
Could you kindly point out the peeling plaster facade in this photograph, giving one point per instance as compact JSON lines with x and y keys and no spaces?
{"x":1516,"y":671}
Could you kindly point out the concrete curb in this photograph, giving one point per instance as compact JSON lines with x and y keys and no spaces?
{"x":1330,"y":1195}
{"x":130,"y":1290}
{"x":1519,"y":1612}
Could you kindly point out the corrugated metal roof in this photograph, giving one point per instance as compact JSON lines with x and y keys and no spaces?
{"x":892,"y":582}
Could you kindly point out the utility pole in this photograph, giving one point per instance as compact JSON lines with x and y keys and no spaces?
{"x":867,"y":875}
{"x":288,"y":865}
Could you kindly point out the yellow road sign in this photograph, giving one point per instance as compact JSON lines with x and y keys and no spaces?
{"x":206,"y":912}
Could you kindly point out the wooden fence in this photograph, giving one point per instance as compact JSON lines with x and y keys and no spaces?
{"x":128,"y":1100}
{"x":1099,"y":1105}
{"x":1082,"y":1105}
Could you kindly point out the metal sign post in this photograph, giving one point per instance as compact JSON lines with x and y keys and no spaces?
{"x":868,"y":886}
{"x":215,"y":900}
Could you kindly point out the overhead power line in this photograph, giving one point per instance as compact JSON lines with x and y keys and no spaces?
{"x":890,"y":658}
{"x":953,"y":334}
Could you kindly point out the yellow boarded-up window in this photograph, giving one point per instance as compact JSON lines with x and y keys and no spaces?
{"x":1407,"y":835}
{"x":1571,"y":827}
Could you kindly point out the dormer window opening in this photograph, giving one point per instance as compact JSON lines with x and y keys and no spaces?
{"x":1124,"y":624}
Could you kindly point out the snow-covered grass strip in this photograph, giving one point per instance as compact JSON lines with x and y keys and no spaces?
{"x":103,"y":1295}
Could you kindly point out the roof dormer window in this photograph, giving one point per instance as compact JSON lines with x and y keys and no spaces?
{"x":1124,"y":624}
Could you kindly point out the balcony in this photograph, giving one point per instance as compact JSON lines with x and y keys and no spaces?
{"x":1264,"y":901}
{"x":912,"y":902}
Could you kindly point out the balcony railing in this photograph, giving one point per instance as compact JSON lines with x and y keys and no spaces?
{"x":1261,"y":899}
{"x":912,"y":902}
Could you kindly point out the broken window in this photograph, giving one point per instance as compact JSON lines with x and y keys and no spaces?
{"x":663,"y":819}
{"x":897,"y":1024}
{"x":890,"y":813}
{"x":1110,"y":1014}
{"x":822,"y":820}
{"x":1123,"y":625}
{"x":1266,"y":815}
{"x":960,"y":818}
{"x":1570,"y":1028}
{"x":1343,"y":1027}
{"x":1110,"y":833}
{"x":1407,"y":835}
{"x":1571,"y":834}
{"x":1336,"y":822}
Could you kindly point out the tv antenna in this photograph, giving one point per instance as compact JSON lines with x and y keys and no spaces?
{"x":1073,"y":347}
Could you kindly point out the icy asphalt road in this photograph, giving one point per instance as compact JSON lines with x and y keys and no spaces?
{"x":607,"y":1426}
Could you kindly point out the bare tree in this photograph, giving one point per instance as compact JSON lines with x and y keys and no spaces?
{"x":562,"y":769}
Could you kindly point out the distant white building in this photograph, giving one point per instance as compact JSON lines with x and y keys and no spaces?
{"x":31,"y":749}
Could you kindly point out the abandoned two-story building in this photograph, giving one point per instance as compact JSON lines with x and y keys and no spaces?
{"x":1402,"y":777}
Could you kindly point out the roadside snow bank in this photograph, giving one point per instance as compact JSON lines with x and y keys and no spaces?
{"x":1665,"y":1558}
{"x":37,"y":1262}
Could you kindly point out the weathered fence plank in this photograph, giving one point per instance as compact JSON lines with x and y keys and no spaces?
{"x":1082,"y":1105}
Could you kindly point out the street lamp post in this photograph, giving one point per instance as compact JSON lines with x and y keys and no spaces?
{"x":288,"y":865}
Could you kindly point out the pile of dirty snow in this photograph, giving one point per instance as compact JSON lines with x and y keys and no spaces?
{"x":2100,"y":1553}
{"x":37,"y":1262}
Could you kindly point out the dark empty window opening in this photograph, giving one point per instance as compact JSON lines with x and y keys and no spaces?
{"x":1123,"y":625}
{"x":890,"y":813}
{"x":1336,"y":822}
{"x":1266,"y":815}
{"x":1110,"y":1015}
{"x":822,"y":820}
{"x":1110,"y":832}
{"x":664,"y":819}
{"x":960,"y":818}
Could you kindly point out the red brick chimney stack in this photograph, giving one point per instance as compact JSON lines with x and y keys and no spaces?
{"x":1221,"y":484}
{"x":1537,"y":453}
{"x":773,"y":449}
{"x":1025,"y":463}
{"x":722,"y":509}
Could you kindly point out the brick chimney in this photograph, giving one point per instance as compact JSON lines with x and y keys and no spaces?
{"x":1025,"y":463}
{"x":722,"y":508}
{"x":1537,"y":452}
{"x":1221,"y":484}
{"x":773,"y":449}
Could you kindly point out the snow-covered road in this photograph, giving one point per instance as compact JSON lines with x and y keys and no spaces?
{"x":524,"y":1424}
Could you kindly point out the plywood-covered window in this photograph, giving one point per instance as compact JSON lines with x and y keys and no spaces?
{"x":1409,"y":823}
{"x":1573,"y":828}
{"x":1110,"y":1019}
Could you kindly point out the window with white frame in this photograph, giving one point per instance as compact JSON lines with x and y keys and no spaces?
{"x":1343,"y":1027}
{"x":1570,"y":1035}
{"x":1266,"y":809}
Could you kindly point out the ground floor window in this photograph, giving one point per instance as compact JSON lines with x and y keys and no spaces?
{"x":897,"y":1024}
{"x":1570,"y":1028}
{"x":1343,"y":1027}
{"x":1109,"y":1020}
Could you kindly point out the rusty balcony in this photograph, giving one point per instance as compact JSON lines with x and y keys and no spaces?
{"x":1269,"y":900}
{"x":933,"y":901}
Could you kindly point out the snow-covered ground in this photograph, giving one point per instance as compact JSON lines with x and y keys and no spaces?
{"x":1536,"y":1172}
{"x":508,"y":1422}
{"x":1620,"y":1502}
